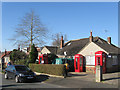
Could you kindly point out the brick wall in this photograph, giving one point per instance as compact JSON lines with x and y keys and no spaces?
{"x":90,"y":69}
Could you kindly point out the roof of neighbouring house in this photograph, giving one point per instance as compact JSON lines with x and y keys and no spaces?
{"x":52,"y":49}
{"x":5,"y":54}
{"x":72,"y":47}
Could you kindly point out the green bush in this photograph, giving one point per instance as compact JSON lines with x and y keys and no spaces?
{"x":48,"y":68}
{"x":22,"y":62}
{"x":33,"y":54}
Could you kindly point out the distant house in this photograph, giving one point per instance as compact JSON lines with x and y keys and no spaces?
{"x":5,"y":57}
{"x":27,"y":49}
{"x":1,"y":53}
{"x":87,"y":47}
{"x":49,"y":49}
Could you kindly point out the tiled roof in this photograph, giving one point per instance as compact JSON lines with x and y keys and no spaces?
{"x":110,"y":48}
{"x":72,"y":47}
{"x":52,"y":49}
{"x":7,"y":53}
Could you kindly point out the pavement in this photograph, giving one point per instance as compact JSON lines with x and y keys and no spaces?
{"x":108,"y":78}
{"x":85,"y":80}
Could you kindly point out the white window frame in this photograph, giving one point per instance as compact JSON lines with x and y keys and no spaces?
{"x":90,"y":60}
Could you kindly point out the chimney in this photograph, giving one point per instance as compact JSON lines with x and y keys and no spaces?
{"x":5,"y":52}
{"x":91,"y":37}
{"x":61,"y":42}
{"x":109,"y":40}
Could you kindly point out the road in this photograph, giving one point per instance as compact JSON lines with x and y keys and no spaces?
{"x":10,"y":83}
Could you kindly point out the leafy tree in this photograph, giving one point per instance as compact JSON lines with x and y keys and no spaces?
{"x":33,"y":54}
{"x":17,"y":55}
{"x":30,"y":30}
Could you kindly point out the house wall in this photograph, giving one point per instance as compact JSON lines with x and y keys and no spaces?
{"x":61,"y":56}
{"x":90,"y":49}
{"x":6,"y":60}
{"x":112,"y":63}
{"x":0,"y":60}
{"x":45,"y":51}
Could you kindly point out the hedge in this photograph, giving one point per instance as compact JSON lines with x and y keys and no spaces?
{"x":52,"y":69}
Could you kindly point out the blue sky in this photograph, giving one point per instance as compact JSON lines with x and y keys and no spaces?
{"x":75,"y":19}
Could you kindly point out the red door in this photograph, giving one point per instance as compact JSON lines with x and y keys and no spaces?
{"x":78,"y":63}
{"x":40,"y":59}
{"x":100,"y":59}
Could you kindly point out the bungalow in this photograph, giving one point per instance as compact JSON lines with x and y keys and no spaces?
{"x":49,"y":49}
{"x":87,"y":47}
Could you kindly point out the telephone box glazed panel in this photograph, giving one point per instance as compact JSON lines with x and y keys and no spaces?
{"x":43,"y":59}
{"x":78,"y":63}
{"x":100,"y":59}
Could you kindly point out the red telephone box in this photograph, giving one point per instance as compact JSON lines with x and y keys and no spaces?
{"x":43,"y":59}
{"x":100,"y":59}
{"x":78,"y":63}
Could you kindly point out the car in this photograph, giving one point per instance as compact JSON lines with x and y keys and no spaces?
{"x":20,"y":73}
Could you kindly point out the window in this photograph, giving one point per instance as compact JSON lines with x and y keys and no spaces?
{"x":69,"y":44}
{"x":9,"y":68}
{"x":80,"y":61}
{"x":21,"y":68}
{"x":90,"y":60}
{"x":115,"y":61}
{"x":76,"y":63}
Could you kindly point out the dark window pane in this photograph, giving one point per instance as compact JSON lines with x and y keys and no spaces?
{"x":21,"y":68}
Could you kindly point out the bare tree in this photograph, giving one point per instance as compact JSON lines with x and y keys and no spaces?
{"x":57,"y":37}
{"x":30,"y":30}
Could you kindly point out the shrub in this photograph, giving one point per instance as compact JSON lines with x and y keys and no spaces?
{"x":48,"y":68}
{"x":17,"y":55}
{"x":22,"y":62}
{"x":33,"y":54}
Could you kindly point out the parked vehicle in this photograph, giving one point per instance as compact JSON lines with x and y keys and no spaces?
{"x":20,"y":73}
